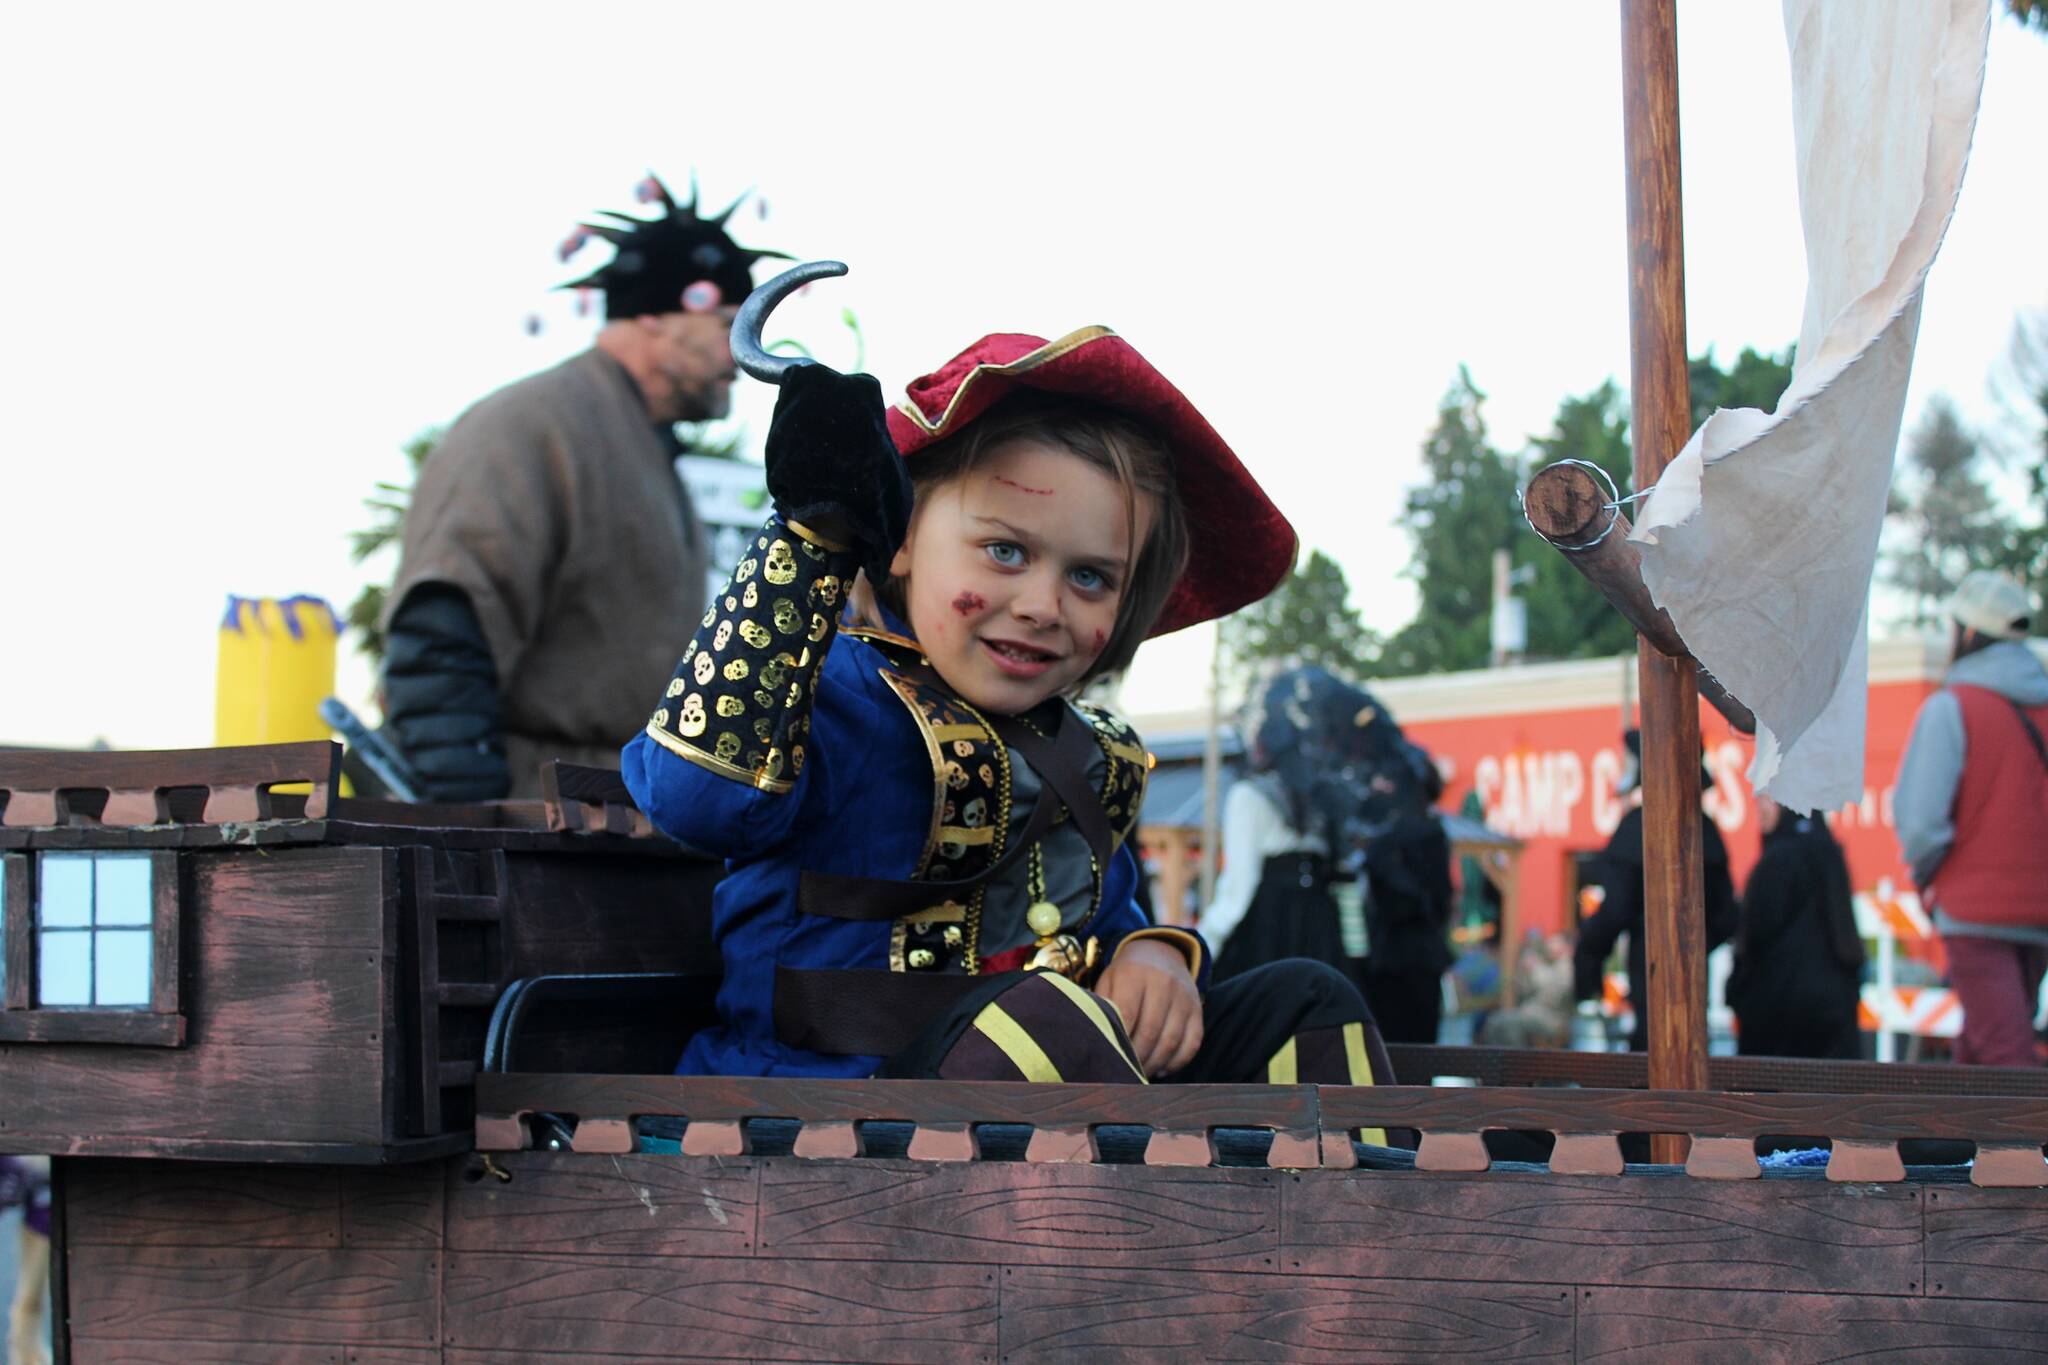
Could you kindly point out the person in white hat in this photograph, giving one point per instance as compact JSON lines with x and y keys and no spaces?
{"x":1971,"y":807}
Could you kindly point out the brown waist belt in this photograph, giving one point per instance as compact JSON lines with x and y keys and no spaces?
{"x":861,"y":1012}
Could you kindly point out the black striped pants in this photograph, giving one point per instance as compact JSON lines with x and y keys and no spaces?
{"x":1290,"y":1022}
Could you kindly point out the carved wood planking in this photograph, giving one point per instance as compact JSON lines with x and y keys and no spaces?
{"x":28,"y":809}
{"x":1448,"y":1112}
{"x":55,"y":769}
{"x":704,"y":1137}
{"x":171,"y":1203}
{"x":2009,"y":1166}
{"x":31,"y":774}
{"x":1987,"y":1244}
{"x":271,"y":835}
{"x":350,"y":1154}
{"x":244,"y":1094}
{"x":159,"y":1351}
{"x":1718,"y":1158}
{"x":641,"y":1205}
{"x":1590,"y":1230}
{"x":141,"y":806}
{"x":1851,"y":1160}
{"x":239,"y":1294}
{"x":287,"y":995}
{"x":758,"y":1309}
{"x":1684,"y":1324}
{"x":1184,"y":1108}
{"x":844,"y":1140}
{"x":130,"y":1029}
{"x":395,"y":1206}
{"x":1009,"y":1213}
{"x":574,"y":913}
{"x":1417,"y":1063}
{"x":1700,"y":1113}
{"x":17,"y":933}
{"x":453,"y":1355}
{"x":585,"y":798}
{"x":1057,"y":1314}
{"x":420,"y":1009}
{"x":290,"y":897}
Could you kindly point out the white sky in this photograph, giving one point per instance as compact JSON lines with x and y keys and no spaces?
{"x":252,"y":250}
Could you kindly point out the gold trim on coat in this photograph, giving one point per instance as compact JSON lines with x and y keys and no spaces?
{"x":775,"y":786}
{"x":889,"y":637}
{"x":1188,"y":944}
{"x":905,"y":691}
{"x":1031,"y":360}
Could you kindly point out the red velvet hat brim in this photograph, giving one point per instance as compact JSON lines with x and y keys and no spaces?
{"x":1240,"y":546}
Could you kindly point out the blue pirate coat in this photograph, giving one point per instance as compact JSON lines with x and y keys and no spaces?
{"x":787,"y":748}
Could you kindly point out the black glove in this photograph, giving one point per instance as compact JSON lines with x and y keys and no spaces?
{"x":442,"y":707}
{"x":830,"y":461}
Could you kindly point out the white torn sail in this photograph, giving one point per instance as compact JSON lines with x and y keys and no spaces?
{"x":1761,"y":536}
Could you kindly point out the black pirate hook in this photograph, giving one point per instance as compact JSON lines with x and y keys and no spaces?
{"x":747,"y":351}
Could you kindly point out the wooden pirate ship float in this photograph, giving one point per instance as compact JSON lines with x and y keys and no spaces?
{"x":341,"y":1080}
{"x":388,"y":1083}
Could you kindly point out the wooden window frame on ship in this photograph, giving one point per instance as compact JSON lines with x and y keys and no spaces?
{"x":160,"y":1023}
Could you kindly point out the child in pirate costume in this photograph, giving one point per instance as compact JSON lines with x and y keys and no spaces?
{"x":929,"y":846}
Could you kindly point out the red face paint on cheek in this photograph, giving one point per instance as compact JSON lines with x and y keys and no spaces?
{"x":967,"y":603}
{"x":1101,"y":639}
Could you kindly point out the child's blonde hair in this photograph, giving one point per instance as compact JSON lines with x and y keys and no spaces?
{"x":1107,"y":439}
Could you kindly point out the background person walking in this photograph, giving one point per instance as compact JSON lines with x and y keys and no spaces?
{"x":1971,"y":808}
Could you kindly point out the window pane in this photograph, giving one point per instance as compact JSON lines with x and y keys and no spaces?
{"x":121,"y":893}
{"x":65,"y":957}
{"x":65,"y":898}
{"x":120,"y":967}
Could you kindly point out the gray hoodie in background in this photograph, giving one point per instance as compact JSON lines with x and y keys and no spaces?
{"x":1923,"y":801}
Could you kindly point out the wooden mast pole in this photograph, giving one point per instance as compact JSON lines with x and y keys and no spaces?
{"x":1660,"y":422}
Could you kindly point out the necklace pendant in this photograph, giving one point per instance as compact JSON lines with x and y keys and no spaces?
{"x":1043,"y":918}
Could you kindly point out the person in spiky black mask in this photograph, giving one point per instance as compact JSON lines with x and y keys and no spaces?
{"x":670,"y":291}
{"x":678,"y":258}
{"x":550,"y":551}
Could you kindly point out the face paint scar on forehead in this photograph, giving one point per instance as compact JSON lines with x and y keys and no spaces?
{"x":967,"y":603}
{"x":1023,"y":488}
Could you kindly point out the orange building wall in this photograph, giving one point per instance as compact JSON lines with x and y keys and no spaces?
{"x":1548,"y":777}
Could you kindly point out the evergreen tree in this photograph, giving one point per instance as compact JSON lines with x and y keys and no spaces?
{"x":2020,"y":441}
{"x":1308,"y":619}
{"x":1945,"y":519}
{"x":1468,"y":508}
{"x":1755,"y":380}
{"x":1568,"y":618}
{"x":387,"y":524}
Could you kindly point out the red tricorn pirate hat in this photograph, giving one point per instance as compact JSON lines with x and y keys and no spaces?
{"x":1240,"y":546}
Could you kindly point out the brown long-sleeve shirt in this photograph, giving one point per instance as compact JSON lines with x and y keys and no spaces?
{"x":554,"y":505}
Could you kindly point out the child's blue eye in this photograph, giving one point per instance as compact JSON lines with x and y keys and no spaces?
{"x":1089,"y":580}
{"x":1007,"y":553}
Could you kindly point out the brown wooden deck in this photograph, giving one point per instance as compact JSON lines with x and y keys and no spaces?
{"x":588,"y":1257}
{"x":278,"y":1177}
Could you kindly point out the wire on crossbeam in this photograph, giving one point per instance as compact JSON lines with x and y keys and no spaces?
{"x":1615,"y":502}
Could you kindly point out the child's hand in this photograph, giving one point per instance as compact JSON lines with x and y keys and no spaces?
{"x":832,"y":466}
{"x":1148,"y":982}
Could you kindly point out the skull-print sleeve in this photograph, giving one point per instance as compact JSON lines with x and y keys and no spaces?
{"x":740,"y":703}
